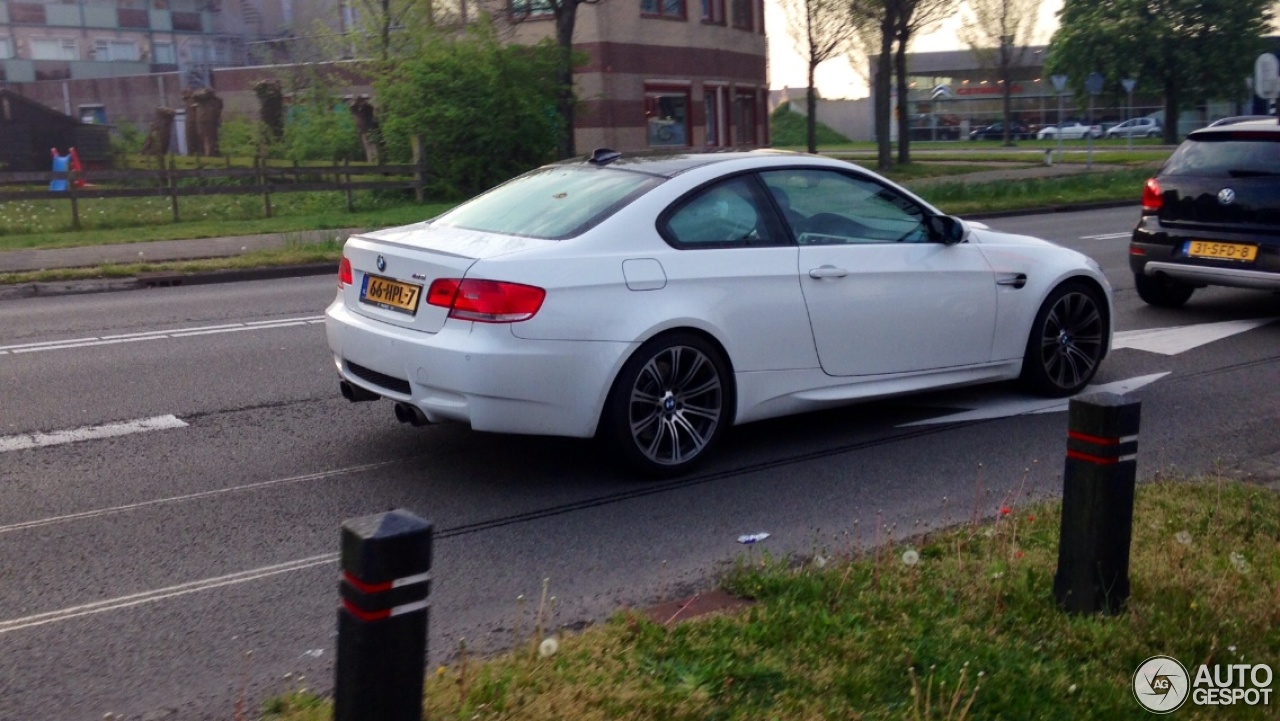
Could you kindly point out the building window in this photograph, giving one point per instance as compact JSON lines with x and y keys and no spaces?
{"x":6,"y":49}
{"x":667,"y":113}
{"x":54,"y":49}
{"x":742,"y":14}
{"x":524,"y":9}
{"x":673,"y":9}
{"x":162,"y":53}
{"x":713,"y":11}
{"x":115,"y":50}
{"x":744,"y":116}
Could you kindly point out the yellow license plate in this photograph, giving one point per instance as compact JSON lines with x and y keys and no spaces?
{"x":390,"y":294}
{"x":1221,"y":251}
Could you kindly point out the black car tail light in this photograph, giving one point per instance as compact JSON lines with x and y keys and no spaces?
{"x":1152,"y":199}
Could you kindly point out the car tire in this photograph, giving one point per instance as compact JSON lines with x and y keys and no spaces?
{"x":1162,"y":291}
{"x":1067,"y":341}
{"x":670,"y":404}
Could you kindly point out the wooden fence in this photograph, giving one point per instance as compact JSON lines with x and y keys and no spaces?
{"x":261,"y":179}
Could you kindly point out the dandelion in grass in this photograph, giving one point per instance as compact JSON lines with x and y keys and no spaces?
{"x":548,"y":647}
{"x":1183,"y":537}
{"x":1239,"y":562}
{"x":910,"y":557}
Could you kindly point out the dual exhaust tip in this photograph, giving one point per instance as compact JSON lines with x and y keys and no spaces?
{"x":405,"y":412}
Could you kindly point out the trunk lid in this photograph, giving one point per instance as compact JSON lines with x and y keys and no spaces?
{"x":393,"y":268}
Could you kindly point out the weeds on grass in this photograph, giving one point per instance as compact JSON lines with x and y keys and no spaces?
{"x":956,"y":625}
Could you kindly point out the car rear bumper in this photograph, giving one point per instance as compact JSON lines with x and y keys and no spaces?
{"x":1153,"y":252}
{"x":478,"y":373}
{"x":1200,"y":275}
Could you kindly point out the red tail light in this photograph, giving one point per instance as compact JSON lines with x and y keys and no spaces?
{"x":345,"y":277}
{"x":486,"y":301}
{"x":1152,"y":199}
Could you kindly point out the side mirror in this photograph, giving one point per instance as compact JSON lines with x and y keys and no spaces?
{"x":945,"y":229}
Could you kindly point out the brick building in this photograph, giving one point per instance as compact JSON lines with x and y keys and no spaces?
{"x":661,"y":74}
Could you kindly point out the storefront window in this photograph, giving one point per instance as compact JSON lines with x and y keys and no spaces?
{"x":667,"y":113}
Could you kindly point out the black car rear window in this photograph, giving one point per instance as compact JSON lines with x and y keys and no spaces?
{"x":1242,"y":154}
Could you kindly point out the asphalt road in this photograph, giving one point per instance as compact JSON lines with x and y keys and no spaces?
{"x":137,"y":571}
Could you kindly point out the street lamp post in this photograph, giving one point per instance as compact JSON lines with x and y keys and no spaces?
{"x":1059,"y":84}
{"x":1129,"y":84}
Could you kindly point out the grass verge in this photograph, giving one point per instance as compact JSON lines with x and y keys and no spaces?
{"x":959,"y":198}
{"x":329,"y":251}
{"x":960,"y":624}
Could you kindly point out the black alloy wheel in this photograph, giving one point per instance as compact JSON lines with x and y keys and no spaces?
{"x":670,"y":404}
{"x":1068,"y":341}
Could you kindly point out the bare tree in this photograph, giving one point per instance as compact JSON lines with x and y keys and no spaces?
{"x":876,"y":21}
{"x":565,"y":13}
{"x":998,"y":32}
{"x":913,"y":17}
{"x":821,"y":30}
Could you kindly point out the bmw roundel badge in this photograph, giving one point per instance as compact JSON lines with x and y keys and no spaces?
{"x":382,"y":262}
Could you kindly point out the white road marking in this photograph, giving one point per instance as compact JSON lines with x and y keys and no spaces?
{"x":161,"y":594}
{"x":1108,"y":236}
{"x":1172,"y":341}
{"x":23,"y":441}
{"x":92,"y":341}
{"x":97,"y":513}
{"x":1009,"y":405}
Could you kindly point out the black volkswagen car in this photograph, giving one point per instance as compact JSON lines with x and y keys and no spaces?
{"x":1211,"y":216}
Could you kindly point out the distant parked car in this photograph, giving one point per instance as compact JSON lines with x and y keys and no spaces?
{"x":995,"y":131}
{"x":1239,"y":119}
{"x":1211,"y":216}
{"x":1137,"y":128}
{"x":1070,"y":130}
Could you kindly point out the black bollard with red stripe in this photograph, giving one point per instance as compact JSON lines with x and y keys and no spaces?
{"x":382,"y":621}
{"x":1097,"y":504}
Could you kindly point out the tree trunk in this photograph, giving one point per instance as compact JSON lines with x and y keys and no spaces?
{"x":883,"y":81}
{"x":904,"y":118}
{"x":1006,"y":70}
{"x":566,"y":18}
{"x":811,"y":107}
{"x":1171,"y":113}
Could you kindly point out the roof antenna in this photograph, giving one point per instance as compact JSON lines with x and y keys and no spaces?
{"x":603,"y":156}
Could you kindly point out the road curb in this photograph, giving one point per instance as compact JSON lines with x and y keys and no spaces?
{"x":162,"y":279}
{"x":233,"y":275}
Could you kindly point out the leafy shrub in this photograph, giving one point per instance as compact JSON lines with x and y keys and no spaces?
{"x":239,"y":136}
{"x":486,"y":111}
{"x":318,"y":126}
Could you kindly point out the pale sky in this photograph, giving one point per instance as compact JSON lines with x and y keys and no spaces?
{"x":836,"y":78}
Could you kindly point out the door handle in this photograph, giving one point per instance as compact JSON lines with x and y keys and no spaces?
{"x":1017,"y":280}
{"x":828,"y":271}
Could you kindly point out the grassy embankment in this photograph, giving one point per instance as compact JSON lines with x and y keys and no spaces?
{"x":959,"y":624}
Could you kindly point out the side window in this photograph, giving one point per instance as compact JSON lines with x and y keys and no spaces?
{"x":826,"y":207}
{"x":731,"y":213}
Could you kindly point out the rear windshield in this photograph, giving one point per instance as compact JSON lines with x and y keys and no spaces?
{"x":1236,"y":155}
{"x":551,"y":203}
